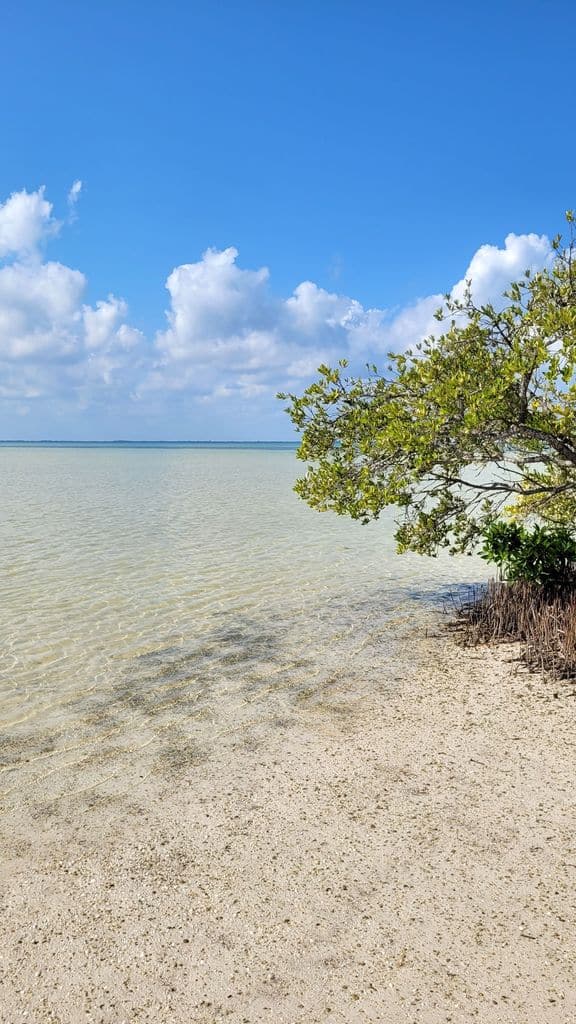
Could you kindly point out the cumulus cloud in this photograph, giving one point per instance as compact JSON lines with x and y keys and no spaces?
{"x":39,"y":307}
{"x":228,"y":334}
{"x":489,"y":272}
{"x":492,"y":269}
{"x":104,"y":327}
{"x":212,"y":304}
{"x":227,"y":337}
{"x":25,"y":222}
{"x":51,"y":342}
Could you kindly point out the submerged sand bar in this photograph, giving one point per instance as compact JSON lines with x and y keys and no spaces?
{"x":408,"y":857}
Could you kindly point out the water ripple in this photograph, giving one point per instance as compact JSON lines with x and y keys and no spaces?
{"x":157,"y":603}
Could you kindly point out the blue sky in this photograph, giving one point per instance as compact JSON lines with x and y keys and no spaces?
{"x":363,"y":153}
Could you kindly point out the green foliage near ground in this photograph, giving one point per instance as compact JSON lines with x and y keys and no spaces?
{"x":542,"y":555}
{"x":461,"y":427}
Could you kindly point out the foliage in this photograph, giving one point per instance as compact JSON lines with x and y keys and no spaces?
{"x":542,"y":555}
{"x":462,"y":426}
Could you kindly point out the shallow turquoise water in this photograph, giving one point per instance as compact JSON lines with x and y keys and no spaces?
{"x":157,"y":599}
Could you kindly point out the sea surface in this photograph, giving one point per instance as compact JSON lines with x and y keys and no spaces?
{"x":159,"y":599}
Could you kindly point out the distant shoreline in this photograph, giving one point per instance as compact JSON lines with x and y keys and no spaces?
{"x":231,"y":445}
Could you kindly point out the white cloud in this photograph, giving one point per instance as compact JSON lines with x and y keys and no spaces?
{"x":73,"y":197}
{"x":228,"y":334}
{"x":25,"y":222}
{"x":104,"y":327}
{"x":213,"y":305}
{"x":492,"y":269}
{"x":312,"y":311}
{"x":228,"y":337}
{"x":51,"y":342}
{"x":412,"y":323}
{"x":39,"y":306}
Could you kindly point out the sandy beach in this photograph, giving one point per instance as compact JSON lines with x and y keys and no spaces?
{"x":406,"y":858}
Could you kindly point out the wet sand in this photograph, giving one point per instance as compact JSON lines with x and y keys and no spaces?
{"x":406,"y":857}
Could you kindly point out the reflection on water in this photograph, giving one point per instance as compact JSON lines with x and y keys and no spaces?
{"x":156,"y":603}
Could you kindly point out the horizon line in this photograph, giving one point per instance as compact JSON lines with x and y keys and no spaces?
{"x":127,"y":440}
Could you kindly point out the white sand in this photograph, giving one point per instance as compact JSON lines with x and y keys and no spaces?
{"x":409,"y":858}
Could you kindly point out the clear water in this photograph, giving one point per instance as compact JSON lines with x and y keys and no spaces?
{"x":159,"y":600}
